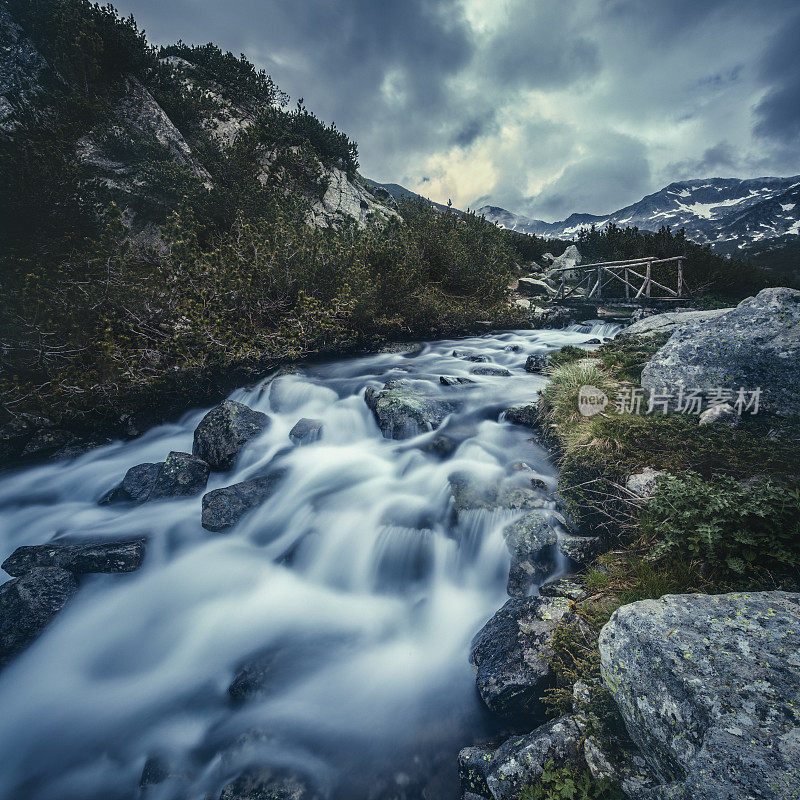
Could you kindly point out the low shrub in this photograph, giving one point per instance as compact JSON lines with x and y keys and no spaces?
{"x":566,"y":355}
{"x":566,"y":784}
{"x":559,"y":403}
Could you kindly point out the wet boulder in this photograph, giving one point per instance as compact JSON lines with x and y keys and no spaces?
{"x":524,"y":414}
{"x":79,"y":557}
{"x":135,"y":486}
{"x":568,"y":587}
{"x":469,"y":356}
{"x":520,"y":761}
{"x":490,"y":371}
{"x":708,"y":686}
{"x":223,"y":508}
{"x":181,"y":475}
{"x":473,"y":766}
{"x":454,"y":380}
{"x":224,"y":431}
{"x":528,"y":541}
{"x":28,"y":603}
{"x":265,"y":783}
{"x":306,"y":431}
{"x":580,"y":549}
{"x":404,"y":409}
{"x":47,"y":442}
{"x":511,"y":653}
{"x":536,"y":362}
{"x":471,"y":492}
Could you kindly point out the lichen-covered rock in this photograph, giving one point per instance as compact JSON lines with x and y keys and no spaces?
{"x":224,"y":431}
{"x":181,"y":475}
{"x":469,"y":491}
{"x":754,"y":346}
{"x":223,"y":508}
{"x":520,"y":761}
{"x":28,"y":603}
{"x":473,"y":766}
{"x":79,"y":557}
{"x":579,"y":549}
{"x":568,"y":587}
{"x":511,"y":653}
{"x":670,"y":321}
{"x":269,"y":784}
{"x":454,"y":380}
{"x":306,"y":431}
{"x":46,"y":442}
{"x":643,"y":484}
{"x":525,"y":414}
{"x":708,"y":688}
{"x":536,"y":362}
{"x":135,"y":486}
{"x":528,"y":541}
{"x":721,"y":414}
{"x":403,"y":409}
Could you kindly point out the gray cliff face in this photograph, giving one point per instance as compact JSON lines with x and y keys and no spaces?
{"x":755,"y":345}
{"x":709,"y":687}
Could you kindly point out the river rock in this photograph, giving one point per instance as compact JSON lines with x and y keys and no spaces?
{"x":520,"y":762}
{"x":497,"y":372}
{"x":224,"y":431}
{"x":469,"y":356}
{"x":473,"y":766}
{"x":269,"y":784}
{"x":708,"y":687}
{"x":536,"y":362}
{"x":28,"y":603}
{"x":568,"y":587}
{"x":181,"y":475}
{"x":527,"y":541}
{"x":453,"y":380}
{"x":79,"y":557}
{"x":511,"y":653}
{"x":306,"y":431}
{"x":403,"y":409}
{"x":580,"y":549}
{"x":524,"y":414}
{"x":223,"y":508}
{"x":136,"y":485}
{"x":754,"y":346}
{"x":670,"y":321}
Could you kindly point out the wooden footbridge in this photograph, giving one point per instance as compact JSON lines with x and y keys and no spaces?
{"x":606,"y":280}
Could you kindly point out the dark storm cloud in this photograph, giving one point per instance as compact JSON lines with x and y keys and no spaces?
{"x":778,"y":113}
{"x":543,"y":106}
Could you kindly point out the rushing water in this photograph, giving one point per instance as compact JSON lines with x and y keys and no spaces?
{"x":355,"y":572}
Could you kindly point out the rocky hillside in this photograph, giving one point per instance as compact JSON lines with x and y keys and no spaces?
{"x":729,"y":214}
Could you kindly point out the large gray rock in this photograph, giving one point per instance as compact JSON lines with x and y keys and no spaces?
{"x":79,"y":557}
{"x":306,"y":431}
{"x":404,"y":409}
{"x":28,"y":603}
{"x":135,"y":486}
{"x":264,"y":783}
{"x":709,"y":686}
{"x":224,"y":431}
{"x":580,"y":549}
{"x":223,"y":508}
{"x":520,"y":762}
{"x":181,"y":475}
{"x":669,"y":321}
{"x":511,"y":653}
{"x":531,"y":287}
{"x":756,"y":345}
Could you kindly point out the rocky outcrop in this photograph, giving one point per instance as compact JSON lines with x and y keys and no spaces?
{"x":571,"y":257}
{"x":28,"y":603}
{"x":754,"y":346}
{"x":568,"y":587}
{"x":78,"y":557}
{"x":531,"y":287}
{"x":708,"y":687}
{"x":223,"y":508}
{"x":670,"y":321}
{"x":404,"y":409}
{"x":346,"y":199}
{"x":511,"y":653}
{"x":224,"y":431}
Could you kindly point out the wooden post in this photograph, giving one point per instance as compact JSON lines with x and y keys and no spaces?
{"x":647,"y":279}
{"x":599,"y":281}
{"x":560,"y":292}
{"x":627,"y":285}
{"x":680,"y":278}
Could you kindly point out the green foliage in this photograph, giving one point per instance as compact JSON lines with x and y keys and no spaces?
{"x":730,"y":525}
{"x":627,"y":356}
{"x":566,"y":355}
{"x":559,"y":401}
{"x":565,"y":784}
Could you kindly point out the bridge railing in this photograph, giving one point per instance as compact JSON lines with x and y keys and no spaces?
{"x":635,"y":274}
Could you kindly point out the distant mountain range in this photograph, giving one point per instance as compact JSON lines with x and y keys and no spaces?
{"x":745,"y":217}
{"x":729,"y":214}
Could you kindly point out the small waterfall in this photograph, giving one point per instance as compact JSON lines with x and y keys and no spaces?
{"x":357,"y":576}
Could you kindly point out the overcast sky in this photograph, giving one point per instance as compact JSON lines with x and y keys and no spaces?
{"x":544,"y":107}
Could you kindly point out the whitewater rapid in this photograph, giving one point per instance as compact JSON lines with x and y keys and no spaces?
{"x":356,"y":570}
